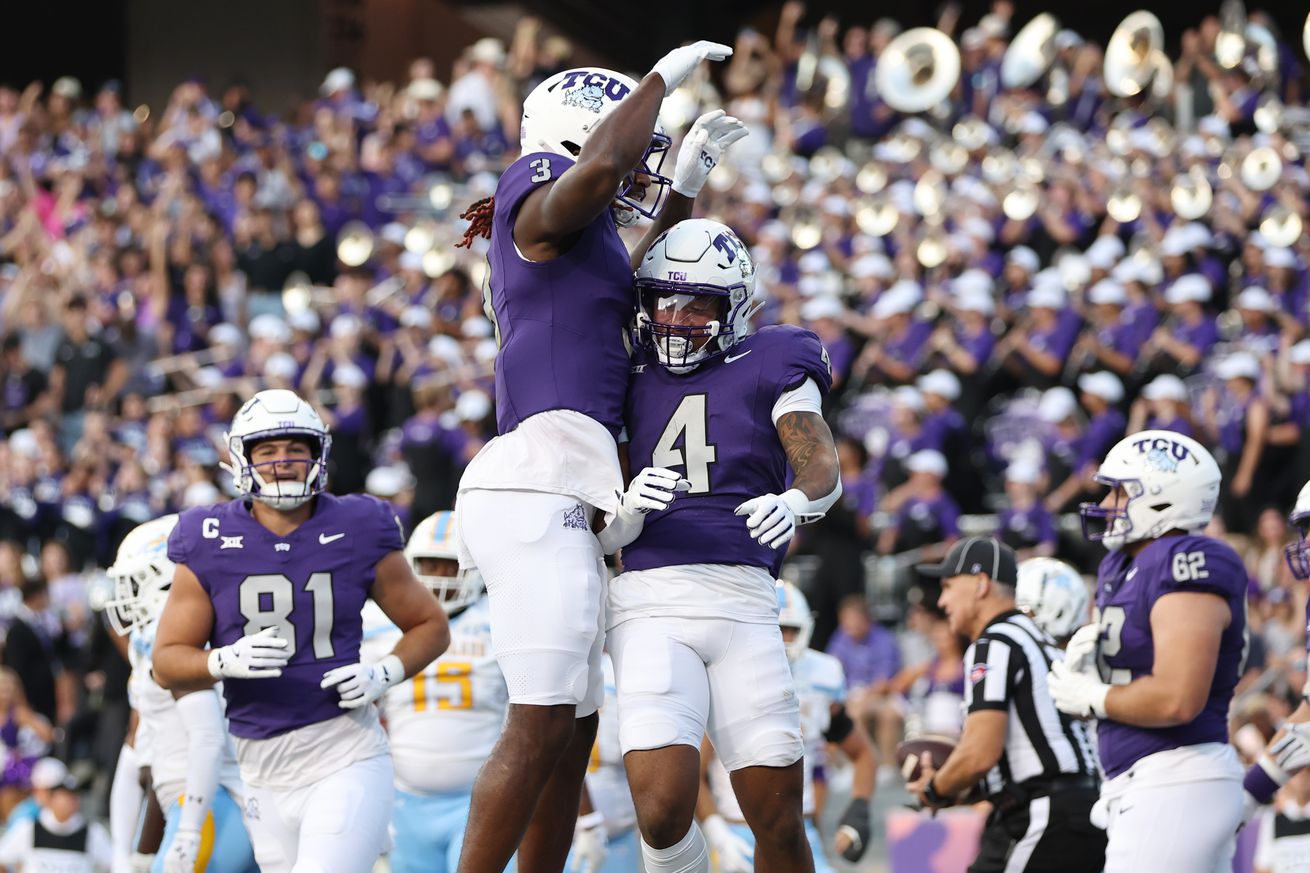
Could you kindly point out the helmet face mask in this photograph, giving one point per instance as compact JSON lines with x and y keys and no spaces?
{"x":142,"y":575}
{"x":695,"y":294}
{"x":434,"y":540}
{"x":1298,"y":553}
{"x":563,"y":111}
{"x":1162,"y":481}
{"x":278,"y":414}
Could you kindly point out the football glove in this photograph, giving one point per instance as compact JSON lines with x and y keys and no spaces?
{"x":702,"y":150}
{"x":590,"y":844}
{"x":678,"y":64}
{"x":1080,"y":654}
{"x":652,"y":488}
{"x":1078,"y":694}
{"x":361,"y":684}
{"x":735,"y":854}
{"x":1291,"y":752}
{"x":770,"y":519}
{"x":856,"y":828}
{"x":255,"y":656}
{"x":183,"y":851}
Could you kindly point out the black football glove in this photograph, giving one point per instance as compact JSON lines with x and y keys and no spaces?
{"x":855,"y":825}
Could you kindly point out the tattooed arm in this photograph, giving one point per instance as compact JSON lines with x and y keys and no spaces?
{"x":812,"y":455}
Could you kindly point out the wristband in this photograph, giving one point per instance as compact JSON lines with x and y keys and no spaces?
{"x":1264,"y":779}
{"x":934,"y":799}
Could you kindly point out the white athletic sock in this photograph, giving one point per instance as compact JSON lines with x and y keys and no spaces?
{"x":688,"y":855}
{"x":125,"y":797}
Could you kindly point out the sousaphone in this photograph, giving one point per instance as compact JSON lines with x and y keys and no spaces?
{"x":917,"y":70}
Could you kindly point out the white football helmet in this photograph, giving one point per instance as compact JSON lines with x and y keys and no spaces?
{"x":694,"y":263}
{"x":561,"y":113}
{"x":1054,"y":594}
{"x":277,"y":414}
{"x":1172,"y":483}
{"x":142,"y":575}
{"x":1298,"y":553}
{"x":435,"y":537}
{"x":794,"y":611}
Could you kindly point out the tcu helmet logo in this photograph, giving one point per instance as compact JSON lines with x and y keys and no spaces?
{"x":733,"y":251}
{"x":589,"y":90}
{"x":1163,"y":454}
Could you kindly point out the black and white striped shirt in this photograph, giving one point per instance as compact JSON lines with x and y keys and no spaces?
{"x":1006,"y":669}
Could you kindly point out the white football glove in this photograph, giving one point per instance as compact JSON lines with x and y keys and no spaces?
{"x":703,"y":148}
{"x":183,"y":851}
{"x":255,"y":656}
{"x":141,"y":863}
{"x":652,"y":488}
{"x":590,"y":844}
{"x":678,"y":64}
{"x":769,"y":518}
{"x":1079,"y":694}
{"x":735,"y":854}
{"x":361,"y":684}
{"x":1080,"y":654}
{"x":1291,"y":752}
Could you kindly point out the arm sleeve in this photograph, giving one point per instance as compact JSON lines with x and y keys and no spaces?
{"x":202,"y":714}
{"x":1200,"y":566}
{"x":988,"y":664}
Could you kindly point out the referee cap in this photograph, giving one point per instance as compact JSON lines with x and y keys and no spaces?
{"x":977,"y":555}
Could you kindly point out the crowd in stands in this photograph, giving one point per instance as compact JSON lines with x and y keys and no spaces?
{"x":1005,"y":286}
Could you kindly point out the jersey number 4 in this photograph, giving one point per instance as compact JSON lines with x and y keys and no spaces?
{"x":268,"y":599}
{"x":689,"y":425}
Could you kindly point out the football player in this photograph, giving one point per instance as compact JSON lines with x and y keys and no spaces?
{"x":821,"y":688}
{"x":722,"y":414}
{"x":276,"y":581}
{"x":560,"y":297}
{"x":1169,"y":646}
{"x":605,"y":839}
{"x":192,"y":766}
{"x":1054,"y":595}
{"x":442,"y":722}
{"x":1289,"y":750}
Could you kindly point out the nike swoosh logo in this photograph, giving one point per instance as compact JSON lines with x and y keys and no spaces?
{"x":324,"y":539}
{"x":730,"y":358}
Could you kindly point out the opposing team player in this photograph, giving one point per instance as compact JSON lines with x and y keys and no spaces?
{"x":1054,"y":595}
{"x":560,"y":295}
{"x":276,"y":582}
{"x":442,"y":722}
{"x":1289,"y":750}
{"x":694,"y":619}
{"x":192,"y":765}
{"x":605,"y":839}
{"x":1170,"y":645}
{"x":821,"y":689}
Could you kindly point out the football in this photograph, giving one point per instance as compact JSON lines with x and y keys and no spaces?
{"x":911,"y":754}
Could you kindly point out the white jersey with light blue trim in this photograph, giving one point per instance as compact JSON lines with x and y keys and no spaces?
{"x":442,"y":722}
{"x":607,"y":781}
{"x":820,"y":683}
{"x":168,"y":747}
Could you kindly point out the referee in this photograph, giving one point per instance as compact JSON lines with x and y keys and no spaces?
{"x":1037,"y":766}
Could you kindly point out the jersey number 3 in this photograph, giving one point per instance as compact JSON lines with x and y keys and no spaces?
{"x":268,"y":599}
{"x":689,"y":424}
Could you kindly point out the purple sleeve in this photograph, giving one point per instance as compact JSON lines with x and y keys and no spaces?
{"x":453,"y":441}
{"x":801,"y":356}
{"x":179,"y":541}
{"x":524,"y":176}
{"x":981,"y":347}
{"x":888,"y":661}
{"x":1201,"y":565}
{"x":390,"y":535}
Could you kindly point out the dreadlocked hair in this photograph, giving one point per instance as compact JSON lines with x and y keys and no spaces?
{"x":479,"y":218}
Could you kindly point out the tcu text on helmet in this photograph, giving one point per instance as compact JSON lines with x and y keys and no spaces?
{"x":1177,"y":450}
{"x":613,"y":88}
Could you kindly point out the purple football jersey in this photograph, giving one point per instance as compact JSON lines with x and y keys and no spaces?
{"x":1126,"y":590}
{"x":561,"y":323}
{"x":311,"y":584}
{"x":714,"y":425}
